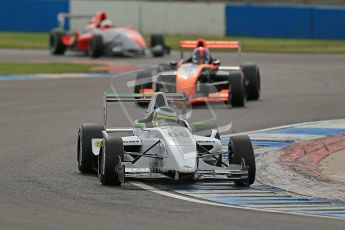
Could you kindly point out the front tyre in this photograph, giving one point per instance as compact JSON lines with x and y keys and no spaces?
{"x":96,"y":46}
{"x":252,"y":75}
{"x":56,"y":46}
{"x":157,"y":45}
{"x":110,"y":169}
{"x":242,"y":149}
{"x":237,"y":94}
{"x":84,"y":154}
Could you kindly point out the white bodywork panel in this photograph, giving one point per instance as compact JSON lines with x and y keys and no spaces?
{"x":96,"y":146}
{"x":229,"y":68}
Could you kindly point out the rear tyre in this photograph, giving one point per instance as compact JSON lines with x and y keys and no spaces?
{"x":237,"y":94}
{"x":96,"y":46}
{"x":241,"y":148}
{"x":55,"y":43}
{"x":158,"y":47}
{"x":110,"y":169}
{"x":84,"y":154}
{"x":143,"y":81}
{"x":252,"y":75}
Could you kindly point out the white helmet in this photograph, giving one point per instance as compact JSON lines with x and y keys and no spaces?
{"x":106,"y":23}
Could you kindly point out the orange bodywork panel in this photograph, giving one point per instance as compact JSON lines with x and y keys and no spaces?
{"x":210,"y":44}
{"x":186,"y":83}
{"x":146,"y":91}
{"x":221,"y":96}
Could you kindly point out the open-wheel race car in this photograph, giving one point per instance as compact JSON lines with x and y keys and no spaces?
{"x":203,"y":78}
{"x":100,"y":37}
{"x":162,"y":142}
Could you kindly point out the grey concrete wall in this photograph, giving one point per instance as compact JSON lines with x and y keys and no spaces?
{"x":158,"y":17}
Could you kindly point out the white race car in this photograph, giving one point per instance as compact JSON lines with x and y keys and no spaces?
{"x":163,"y":143}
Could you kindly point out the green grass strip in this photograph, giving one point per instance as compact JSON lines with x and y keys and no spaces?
{"x":24,"y":40}
{"x":36,"y":68}
{"x":40,"y":41}
{"x":272,"y":45}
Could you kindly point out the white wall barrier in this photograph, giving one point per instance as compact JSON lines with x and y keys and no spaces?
{"x":158,"y":17}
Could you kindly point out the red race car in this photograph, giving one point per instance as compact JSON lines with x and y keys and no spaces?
{"x":101,"y":37}
{"x":202,"y":78}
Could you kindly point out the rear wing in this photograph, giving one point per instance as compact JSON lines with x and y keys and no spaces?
{"x":61,"y":18}
{"x":138,"y":97}
{"x":191,"y":44}
{"x":211,"y":44}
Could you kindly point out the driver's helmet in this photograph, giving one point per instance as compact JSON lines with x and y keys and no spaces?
{"x":164,"y":115}
{"x":106,"y":24}
{"x":201,"y":55}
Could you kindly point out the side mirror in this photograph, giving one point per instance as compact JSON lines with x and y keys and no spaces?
{"x":206,"y":128}
{"x":173,"y":64}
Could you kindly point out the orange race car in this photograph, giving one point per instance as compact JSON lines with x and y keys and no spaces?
{"x":202,"y":78}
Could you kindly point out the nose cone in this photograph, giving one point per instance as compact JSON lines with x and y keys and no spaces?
{"x":185,"y":157}
{"x":136,"y":37}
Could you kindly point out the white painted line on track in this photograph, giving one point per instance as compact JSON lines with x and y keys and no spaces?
{"x":173,"y":195}
{"x":311,"y":208}
{"x":303,"y":124}
{"x":261,"y":197}
{"x":180,"y":197}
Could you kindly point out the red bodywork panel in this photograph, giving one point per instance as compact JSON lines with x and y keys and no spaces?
{"x":68,"y":40}
{"x":134,"y":35}
{"x":96,"y":21}
{"x":83,"y":41}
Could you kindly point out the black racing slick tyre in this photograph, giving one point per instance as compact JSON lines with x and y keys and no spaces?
{"x":55,"y":43}
{"x":84,"y":154}
{"x":110,"y":169}
{"x":96,"y":46}
{"x":143,"y":81}
{"x":157,"y":45}
{"x":237,"y":93}
{"x":240,"y":148}
{"x":252,"y":75}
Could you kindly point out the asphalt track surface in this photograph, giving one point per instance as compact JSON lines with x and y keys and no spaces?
{"x":41,"y":187}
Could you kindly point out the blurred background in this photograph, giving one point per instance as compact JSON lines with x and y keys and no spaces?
{"x":311,"y":19}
